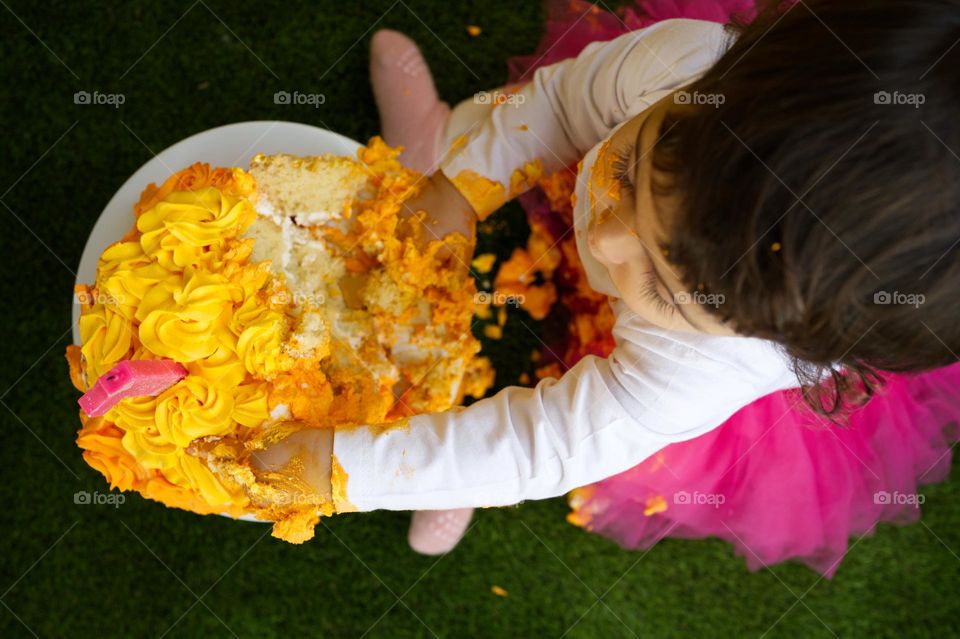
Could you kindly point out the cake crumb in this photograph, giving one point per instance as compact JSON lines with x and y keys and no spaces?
{"x":484,"y":263}
{"x":493,"y":331}
{"x":654,"y":505}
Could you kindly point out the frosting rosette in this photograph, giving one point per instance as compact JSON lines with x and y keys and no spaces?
{"x":106,"y":335}
{"x":280,"y":319}
{"x":186,"y":316}
{"x":193,"y":227}
{"x":103,"y":449}
{"x":193,"y":408}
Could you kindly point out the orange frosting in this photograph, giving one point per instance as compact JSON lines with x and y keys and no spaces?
{"x":338,"y":483}
{"x":483,"y":194}
{"x":525,"y":177}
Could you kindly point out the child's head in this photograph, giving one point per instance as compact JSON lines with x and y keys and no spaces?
{"x":806,"y":189}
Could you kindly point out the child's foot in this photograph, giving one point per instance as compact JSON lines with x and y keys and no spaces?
{"x":411,"y":113}
{"x":435,"y":532}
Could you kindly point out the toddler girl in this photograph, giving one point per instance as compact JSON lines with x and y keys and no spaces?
{"x":763,"y":207}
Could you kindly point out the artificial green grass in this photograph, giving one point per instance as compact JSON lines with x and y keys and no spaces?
{"x":139,"y":569}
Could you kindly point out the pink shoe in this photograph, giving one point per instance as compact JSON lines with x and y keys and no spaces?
{"x":436,"y":532}
{"x":411,"y":113}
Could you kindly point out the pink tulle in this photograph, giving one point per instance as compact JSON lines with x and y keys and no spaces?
{"x":779,"y":484}
{"x":774,"y":480}
{"x":573,"y":24}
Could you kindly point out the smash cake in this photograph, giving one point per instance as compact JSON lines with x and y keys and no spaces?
{"x":249,"y":304}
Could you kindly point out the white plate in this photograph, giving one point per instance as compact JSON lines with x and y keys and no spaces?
{"x":230,"y":145}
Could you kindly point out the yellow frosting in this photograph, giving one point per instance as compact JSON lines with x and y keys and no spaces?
{"x":106,"y":337}
{"x":194,"y":407}
{"x":185,"y":317}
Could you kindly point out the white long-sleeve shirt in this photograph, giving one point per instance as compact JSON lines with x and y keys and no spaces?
{"x":604,"y":415}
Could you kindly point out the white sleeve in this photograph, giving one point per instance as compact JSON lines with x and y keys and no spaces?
{"x":570,"y":106}
{"x":602,"y":417}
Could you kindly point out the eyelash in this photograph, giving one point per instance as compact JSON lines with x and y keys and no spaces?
{"x":648,"y":290}
{"x":621,"y":168}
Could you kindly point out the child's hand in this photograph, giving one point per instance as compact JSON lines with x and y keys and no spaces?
{"x":298,"y":464}
{"x":291,"y":465}
{"x":446,"y":212}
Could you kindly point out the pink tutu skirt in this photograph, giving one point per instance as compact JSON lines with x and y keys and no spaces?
{"x":775,"y":480}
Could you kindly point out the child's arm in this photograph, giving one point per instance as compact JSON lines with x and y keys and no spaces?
{"x":565,"y":110}
{"x":569,"y":107}
{"x":602,"y":417}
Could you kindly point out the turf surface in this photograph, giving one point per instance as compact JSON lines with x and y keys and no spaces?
{"x":141,"y":570}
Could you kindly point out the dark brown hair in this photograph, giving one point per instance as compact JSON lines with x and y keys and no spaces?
{"x":820,"y":195}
